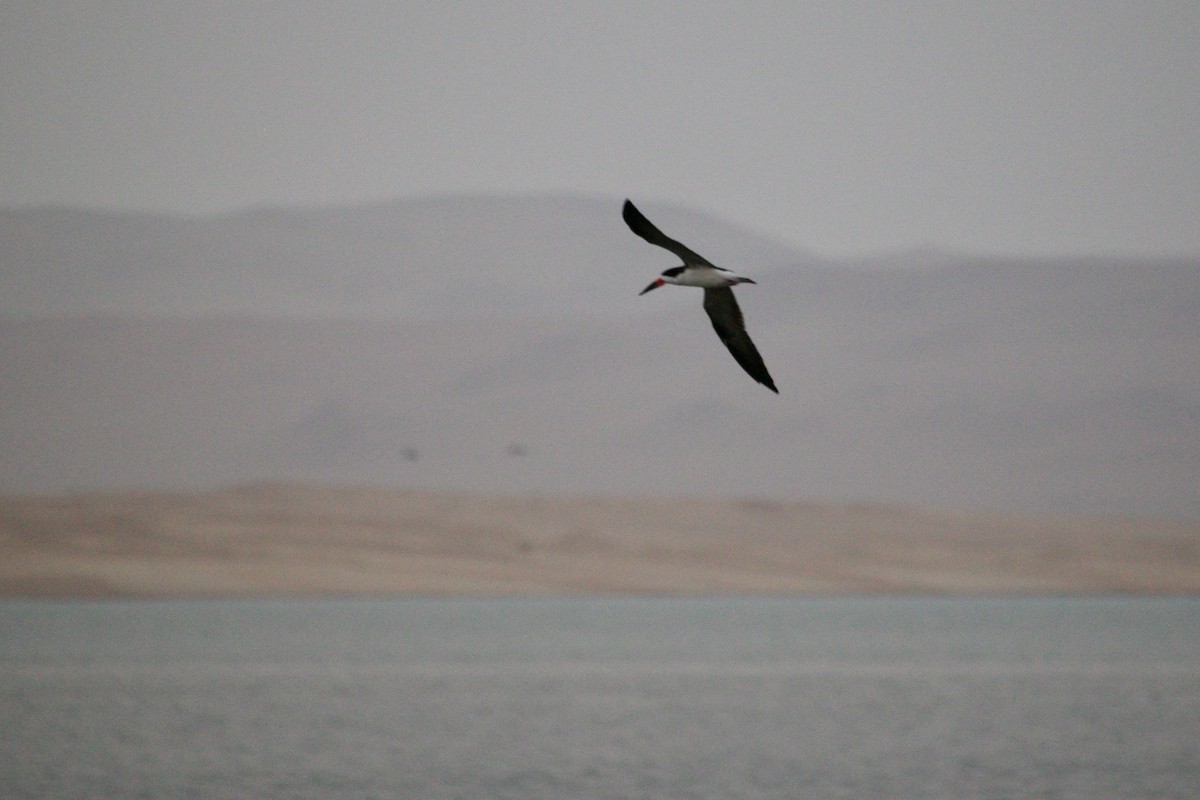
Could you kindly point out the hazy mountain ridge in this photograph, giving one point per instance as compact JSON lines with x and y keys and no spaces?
{"x":409,"y":259}
{"x":434,"y":346}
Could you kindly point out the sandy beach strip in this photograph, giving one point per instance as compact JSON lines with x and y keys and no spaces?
{"x":303,"y":540}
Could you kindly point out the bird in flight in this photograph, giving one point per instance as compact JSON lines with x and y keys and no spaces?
{"x":719,"y":302}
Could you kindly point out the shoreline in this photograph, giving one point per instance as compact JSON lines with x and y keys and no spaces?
{"x":301,"y":541}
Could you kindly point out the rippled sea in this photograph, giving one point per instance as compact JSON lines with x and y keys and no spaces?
{"x":602,"y":698}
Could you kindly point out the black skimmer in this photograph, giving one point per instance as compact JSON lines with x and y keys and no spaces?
{"x":719,"y":302}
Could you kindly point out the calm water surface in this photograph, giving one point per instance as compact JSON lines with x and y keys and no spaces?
{"x":602,"y":698}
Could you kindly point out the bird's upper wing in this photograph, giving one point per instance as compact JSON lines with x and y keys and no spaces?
{"x":644,"y":228}
{"x":727,"y":320}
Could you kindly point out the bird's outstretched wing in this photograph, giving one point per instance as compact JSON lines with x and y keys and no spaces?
{"x":644,"y":228}
{"x":727,"y":320}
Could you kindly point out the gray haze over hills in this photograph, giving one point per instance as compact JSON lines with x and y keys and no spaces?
{"x":498,"y":344}
{"x":404,"y":261}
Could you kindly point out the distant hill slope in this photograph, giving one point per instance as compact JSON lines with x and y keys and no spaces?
{"x":499,"y":345}
{"x":409,"y":259}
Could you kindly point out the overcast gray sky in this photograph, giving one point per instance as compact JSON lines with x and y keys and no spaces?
{"x":844,"y":127}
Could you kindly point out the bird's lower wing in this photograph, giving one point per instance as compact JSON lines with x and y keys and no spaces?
{"x":644,"y":228}
{"x":727,"y":320}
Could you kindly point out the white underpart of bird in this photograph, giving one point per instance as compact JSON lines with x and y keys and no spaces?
{"x":719,"y":302}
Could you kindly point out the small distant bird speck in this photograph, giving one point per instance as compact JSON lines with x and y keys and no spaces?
{"x":719,"y":302}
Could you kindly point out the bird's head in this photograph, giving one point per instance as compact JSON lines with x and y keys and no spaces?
{"x":668,"y":276}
